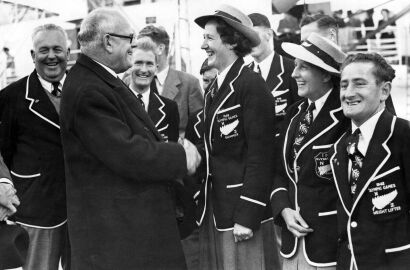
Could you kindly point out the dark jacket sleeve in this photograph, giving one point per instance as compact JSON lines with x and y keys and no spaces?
{"x":97,"y":122}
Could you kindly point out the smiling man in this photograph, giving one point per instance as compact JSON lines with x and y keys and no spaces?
{"x":31,"y":146}
{"x":371,"y":170}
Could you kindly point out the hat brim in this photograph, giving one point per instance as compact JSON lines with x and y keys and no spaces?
{"x":248,"y":32}
{"x":301,"y":53}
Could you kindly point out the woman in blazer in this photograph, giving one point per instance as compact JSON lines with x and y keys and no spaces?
{"x":238,"y":138}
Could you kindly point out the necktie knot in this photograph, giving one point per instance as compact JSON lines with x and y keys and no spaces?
{"x":139,"y":96}
{"x":352,"y":143}
{"x":56,"y":91}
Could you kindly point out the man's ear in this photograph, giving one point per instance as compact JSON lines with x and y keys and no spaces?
{"x":33,"y":55}
{"x":326,"y":77}
{"x":107,"y":43}
{"x":68,"y":53}
{"x":161,"y":49}
{"x":385,"y":88}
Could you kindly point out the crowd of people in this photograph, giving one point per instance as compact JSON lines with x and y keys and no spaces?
{"x":295,"y":162}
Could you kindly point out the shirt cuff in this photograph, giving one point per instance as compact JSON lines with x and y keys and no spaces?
{"x":6,"y":180}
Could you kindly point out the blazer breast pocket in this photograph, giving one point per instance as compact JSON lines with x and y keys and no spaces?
{"x":388,"y":198}
{"x":229,"y":124}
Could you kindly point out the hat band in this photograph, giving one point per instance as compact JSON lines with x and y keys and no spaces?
{"x":321,"y":54}
{"x":229,"y":16}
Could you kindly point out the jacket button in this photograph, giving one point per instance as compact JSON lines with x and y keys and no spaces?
{"x":353,"y":224}
{"x":348,"y":246}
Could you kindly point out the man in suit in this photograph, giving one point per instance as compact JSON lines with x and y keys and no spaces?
{"x":119,"y":169}
{"x":31,"y":147}
{"x":304,"y":196}
{"x":327,"y":27}
{"x":176,"y":85}
{"x":370,"y":165}
{"x":8,"y":197}
{"x":162,"y":111}
{"x":275,"y":69}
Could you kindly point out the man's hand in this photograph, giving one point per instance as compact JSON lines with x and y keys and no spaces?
{"x":241,"y":233}
{"x":193,"y":158}
{"x":8,"y":198}
{"x":295,"y":223}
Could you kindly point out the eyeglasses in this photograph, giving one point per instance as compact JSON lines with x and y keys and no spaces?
{"x":131,"y":36}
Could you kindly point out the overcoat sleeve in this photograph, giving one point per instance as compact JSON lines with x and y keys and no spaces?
{"x":100,"y":126}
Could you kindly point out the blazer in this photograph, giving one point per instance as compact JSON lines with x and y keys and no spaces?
{"x":119,"y":169}
{"x":282,"y":86}
{"x":307,"y":184}
{"x":238,"y":136}
{"x":30,"y":144}
{"x":374,"y":225}
{"x":185,"y":90}
{"x":164,"y":113}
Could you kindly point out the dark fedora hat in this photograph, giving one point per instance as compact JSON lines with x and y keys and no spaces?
{"x":14,"y":241}
{"x":236,"y":19}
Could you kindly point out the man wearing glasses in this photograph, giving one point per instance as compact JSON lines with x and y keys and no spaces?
{"x":119,"y":169}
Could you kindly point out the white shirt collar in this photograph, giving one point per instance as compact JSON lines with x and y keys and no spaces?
{"x":107,"y":68}
{"x":319,"y":103}
{"x":145,"y":96}
{"x":221,"y":76}
{"x":264,"y":65}
{"x":161,"y":76}
{"x":366,"y":132}
{"x":48,"y":85}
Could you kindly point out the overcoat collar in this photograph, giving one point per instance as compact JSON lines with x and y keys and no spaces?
{"x":172,"y":83}
{"x":380,"y":153}
{"x":123,"y":90}
{"x":156,"y":109}
{"x":329,"y":116}
{"x":40,"y":103}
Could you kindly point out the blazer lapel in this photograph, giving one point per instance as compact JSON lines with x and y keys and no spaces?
{"x":274,"y":79}
{"x":156,"y":109}
{"x":39,"y":102}
{"x":376,"y":155}
{"x":325,"y":120}
{"x":171,"y":84}
{"x":340,"y":169}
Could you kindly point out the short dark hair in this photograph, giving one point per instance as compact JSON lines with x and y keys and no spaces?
{"x":382,"y":70}
{"x":230,"y":36}
{"x":323,"y":21}
{"x":158,"y":34}
{"x":259,"y":20}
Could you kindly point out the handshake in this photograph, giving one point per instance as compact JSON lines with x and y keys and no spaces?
{"x":8,"y":200}
{"x":193,"y":158}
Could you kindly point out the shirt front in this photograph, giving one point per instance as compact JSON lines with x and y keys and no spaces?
{"x":145,"y":96}
{"x":221,"y":76}
{"x":319,"y":103}
{"x":160,"y":80}
{"x":48,"y":86}
{"x":264,"y":65}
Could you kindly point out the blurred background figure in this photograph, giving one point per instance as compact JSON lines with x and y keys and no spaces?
{"x":208,"y":74}
{"x":386,"y":16}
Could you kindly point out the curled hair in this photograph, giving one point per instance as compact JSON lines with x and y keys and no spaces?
{"x":158,"y":34}
{"x":230,"y":36}
{"x":48,"y":27}
{"x":146,"y":45}
{"x":381,"y":70}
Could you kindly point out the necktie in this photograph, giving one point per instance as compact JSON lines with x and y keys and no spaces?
{"x":357,"y":159}
{"x":139,"y":96}
{"x":303,"y":128}
{"x":214,"y":89}
{"x":56,"y":91}
{"x":258,"y":68}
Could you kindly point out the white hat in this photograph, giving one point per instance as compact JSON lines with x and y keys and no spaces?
{"x":318,"y":51}
{"x":235,"y":18}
